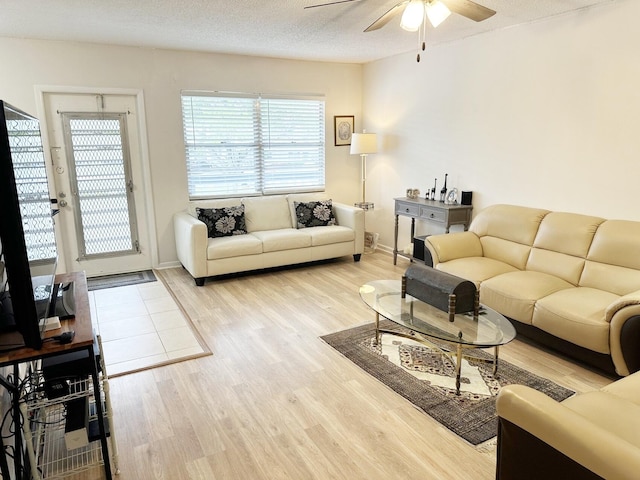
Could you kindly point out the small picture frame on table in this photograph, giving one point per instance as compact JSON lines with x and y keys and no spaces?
{"x":343,"y":128}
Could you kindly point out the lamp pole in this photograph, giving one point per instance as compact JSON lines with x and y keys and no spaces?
{"x":363,"y":144}
{"x":364,"y":175}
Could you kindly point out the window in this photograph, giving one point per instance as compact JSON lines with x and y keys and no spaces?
{"x":252,"y":145}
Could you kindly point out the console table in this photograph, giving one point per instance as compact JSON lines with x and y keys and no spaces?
{"x":443,"y":214}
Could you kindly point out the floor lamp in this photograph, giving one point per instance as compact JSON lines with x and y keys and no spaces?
{"x":363,"y":144}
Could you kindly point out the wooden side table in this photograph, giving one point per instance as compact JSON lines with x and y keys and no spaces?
{"x":438,"y":213}
{"x":83,"y":340}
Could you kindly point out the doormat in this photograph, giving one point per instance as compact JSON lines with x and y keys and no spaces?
{"x":426,"y":378}
{"x":120,"y":280}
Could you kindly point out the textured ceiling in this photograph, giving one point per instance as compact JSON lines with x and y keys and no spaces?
{"x":272,"y":28}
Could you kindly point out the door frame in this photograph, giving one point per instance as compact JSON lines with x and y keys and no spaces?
{"x":150,"y":217}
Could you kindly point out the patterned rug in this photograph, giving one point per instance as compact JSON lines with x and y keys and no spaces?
{"x":120,"y":280}
{"x":426,"y":378}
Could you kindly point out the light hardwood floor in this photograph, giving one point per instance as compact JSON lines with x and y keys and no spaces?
{"x":275,"y":402}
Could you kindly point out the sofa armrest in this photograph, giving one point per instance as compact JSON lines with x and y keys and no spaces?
{"x":351,"y":217}
{"x":567,"y":432}
{"x":627,"y":300}
{"x":191,"y":243}
{"x":623,"y":316}
{"x":450,"y":246}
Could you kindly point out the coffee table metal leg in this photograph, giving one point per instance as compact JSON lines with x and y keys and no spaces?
{"x":458,"y":367}
{"x":495,"y":360}
{"x":377,"y":329}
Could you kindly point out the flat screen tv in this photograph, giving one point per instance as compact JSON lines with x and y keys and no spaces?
{"x":28,"y":253}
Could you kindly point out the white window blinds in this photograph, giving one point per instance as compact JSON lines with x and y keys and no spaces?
{"x":252,"y":145}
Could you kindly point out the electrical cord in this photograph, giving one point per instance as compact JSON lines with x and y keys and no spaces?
{"x":66,"y":337}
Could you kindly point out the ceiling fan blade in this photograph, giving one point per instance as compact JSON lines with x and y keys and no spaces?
{"x":331,"y":3}
{"x":469,"y":9}
{"x":386,"y":18}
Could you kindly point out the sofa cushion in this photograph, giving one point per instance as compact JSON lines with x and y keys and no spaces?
{"x":236,"y":246}
{"x":476,"y":269}
{"x":267,"y":213}
{"x":330,"y":235}
{"x":561,"y":244}
{"x":292,"y":198}
{"x":576,"y":315}
{"x":569,"y":233}
{"x":314,"y":214}
{"x":611,"y":278}
{"x":223,"y":222}
{"x":567,"y":267}
{"x":612,"y":413}
{"x":505,"y":251}
{"x":514,"y":294}
{"x":217,"y":203}
{"x":510,"y":222}
{"x":616,"y":243}
{"x":283,"y":239}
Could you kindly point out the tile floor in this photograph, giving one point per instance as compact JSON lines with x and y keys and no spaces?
{"x":140,"y":326}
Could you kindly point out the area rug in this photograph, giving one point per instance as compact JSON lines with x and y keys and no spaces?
{"x":426,"y":378}
{"x":120,"y":280}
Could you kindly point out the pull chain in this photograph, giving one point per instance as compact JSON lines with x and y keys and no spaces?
{"x":422,"y":33}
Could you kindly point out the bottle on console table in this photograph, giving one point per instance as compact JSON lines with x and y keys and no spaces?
{"x":443,"y":192}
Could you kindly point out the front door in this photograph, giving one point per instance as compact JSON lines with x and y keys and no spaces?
{"x":97,"y":173}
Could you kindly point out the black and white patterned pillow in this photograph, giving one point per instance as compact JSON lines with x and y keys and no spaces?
{"x":223,"y":222}
{"x":314,"y":214}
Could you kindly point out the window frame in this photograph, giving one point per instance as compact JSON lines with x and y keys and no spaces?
{"x":261,"y":146}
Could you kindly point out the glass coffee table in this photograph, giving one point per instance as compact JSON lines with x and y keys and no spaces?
{"x":425,"y":322}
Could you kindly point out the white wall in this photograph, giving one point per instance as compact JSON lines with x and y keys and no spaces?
{"x":544,"y":115}
{"x":162,"y":74}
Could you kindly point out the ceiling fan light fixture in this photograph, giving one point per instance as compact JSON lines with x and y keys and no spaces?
{"x":413,"y":16}
{"x":437,"y":12}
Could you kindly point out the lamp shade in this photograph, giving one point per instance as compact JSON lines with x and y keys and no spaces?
{"x":363,"y":143}
{"x":413,"y":16}
{"x":437,"y":12}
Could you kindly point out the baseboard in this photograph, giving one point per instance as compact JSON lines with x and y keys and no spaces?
{"x":167,"y":265}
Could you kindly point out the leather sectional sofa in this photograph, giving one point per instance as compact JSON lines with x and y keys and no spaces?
{"x":567,"y":280}
{"x":242,"y":234}
{"x":593,"y":435}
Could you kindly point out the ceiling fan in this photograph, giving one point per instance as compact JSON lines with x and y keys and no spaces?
{"x":416,"y":12}
{"x":330,"y":3}
{"x":466,"y":8}
{"x":438,"y":9}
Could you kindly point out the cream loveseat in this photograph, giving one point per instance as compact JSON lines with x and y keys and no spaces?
{"x":264,"y":232}
{"x":567,"y":280}
{"x":591,"y":435}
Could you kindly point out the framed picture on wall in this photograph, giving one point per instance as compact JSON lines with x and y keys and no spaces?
{"x":343,"y":127}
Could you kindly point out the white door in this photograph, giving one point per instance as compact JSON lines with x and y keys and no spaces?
{"x":96,"y":159}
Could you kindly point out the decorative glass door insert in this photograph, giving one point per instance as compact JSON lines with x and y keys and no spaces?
{"x":101,"y":184}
